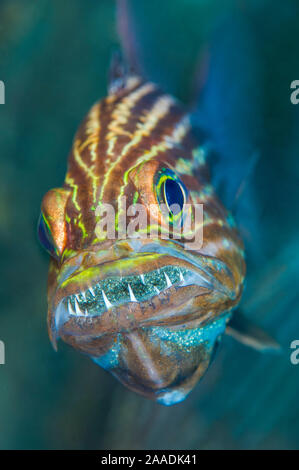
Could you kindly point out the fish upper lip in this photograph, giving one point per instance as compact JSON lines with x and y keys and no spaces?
{"x":203,"y":265}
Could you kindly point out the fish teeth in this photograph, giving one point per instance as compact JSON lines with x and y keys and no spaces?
{"x":78,"y":304}
{"x":168,"y":281}
{"x":61,"y":315}
{"x":77,"y":311}
{"x":70,"y":307}
{"x":92,"y":291}
{"x":132,"y":296}
{"x":77,"y":307}
{"x":106,"y":300}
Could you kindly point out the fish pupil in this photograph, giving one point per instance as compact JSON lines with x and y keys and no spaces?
{"x":174,"y":196}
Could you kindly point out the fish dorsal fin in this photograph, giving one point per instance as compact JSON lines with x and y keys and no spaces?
{"x":121,"y":75}
{"x":244,"y":330}
{"x":124,"y":68}
{"x":118,"y":72}
{"x":127,"y":34}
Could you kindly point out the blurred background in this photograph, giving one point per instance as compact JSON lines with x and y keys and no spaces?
{"x":235,"y":61}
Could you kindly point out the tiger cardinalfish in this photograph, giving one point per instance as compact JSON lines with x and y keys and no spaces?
{"x":149,"y":309}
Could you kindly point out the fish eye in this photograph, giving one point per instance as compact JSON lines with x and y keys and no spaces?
{"x":45,"y":236}
{"x":174,"y":196}
{"x":172,"y":192}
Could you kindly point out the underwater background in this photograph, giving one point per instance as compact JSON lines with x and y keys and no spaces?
{"x":238,"y":59}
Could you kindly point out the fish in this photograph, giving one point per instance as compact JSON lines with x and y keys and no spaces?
{"x":151,"y":306}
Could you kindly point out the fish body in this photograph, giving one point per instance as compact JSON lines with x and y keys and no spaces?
{"x":150,"y":308}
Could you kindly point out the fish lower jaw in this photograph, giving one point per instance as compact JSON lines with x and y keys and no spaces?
{"x":117,"y":291}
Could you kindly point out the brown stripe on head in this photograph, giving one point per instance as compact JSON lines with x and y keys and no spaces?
{"x":89,"y":159}
{"x":134,"y":124}
{"x":152,"y":134}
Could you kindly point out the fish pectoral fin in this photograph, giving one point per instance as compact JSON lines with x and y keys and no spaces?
{"x":245,"y":331}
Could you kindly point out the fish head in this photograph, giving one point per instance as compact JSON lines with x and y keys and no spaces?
{"x":146,"y":265}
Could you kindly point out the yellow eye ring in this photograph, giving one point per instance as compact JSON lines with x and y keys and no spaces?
{"x":172,"y":193}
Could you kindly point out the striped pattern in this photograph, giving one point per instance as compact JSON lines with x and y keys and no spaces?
{"x":123,"y":143}
{"x":127,"y":303}
{"x":137,"y":124}
{"x":130,"y":127}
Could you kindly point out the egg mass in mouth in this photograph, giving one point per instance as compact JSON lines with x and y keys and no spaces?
{"x":114,"y":291}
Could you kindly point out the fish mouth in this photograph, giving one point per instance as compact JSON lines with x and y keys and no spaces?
{"x":134,"y":291}
{"x":115,"y":291}
{"x":147,"y":316}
